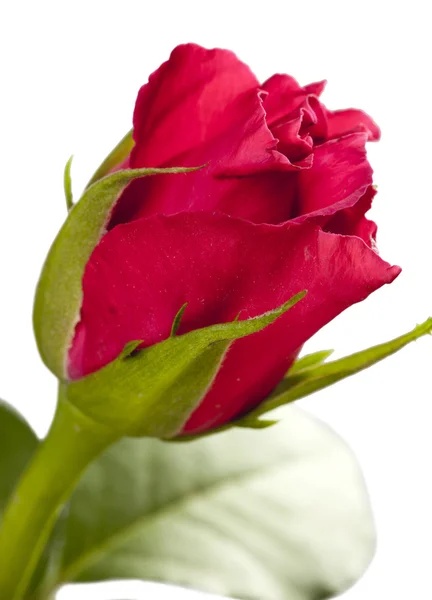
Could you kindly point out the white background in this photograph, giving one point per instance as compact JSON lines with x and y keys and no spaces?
{"x":69,"y":76}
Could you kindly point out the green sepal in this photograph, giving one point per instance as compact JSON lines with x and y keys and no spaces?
{"x":67,"y":182}
{"x":114,"y":158}
{"x":309,"y":360}
{"x":59,"y":291}
{"x":153,"y":391}
{"x":257,"y":423}
{"x":301,"y":382}
{"x":177,"y":320}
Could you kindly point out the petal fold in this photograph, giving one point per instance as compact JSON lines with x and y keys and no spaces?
{"x":338,"y":178}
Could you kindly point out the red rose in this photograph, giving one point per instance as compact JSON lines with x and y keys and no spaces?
{"x":278,"y":208}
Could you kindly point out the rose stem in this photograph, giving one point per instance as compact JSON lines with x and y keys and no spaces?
{"x":73,"y":441}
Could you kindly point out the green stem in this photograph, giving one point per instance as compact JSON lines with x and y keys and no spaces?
{"x":73,"y":441}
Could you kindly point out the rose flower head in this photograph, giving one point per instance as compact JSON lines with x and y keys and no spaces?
{"x":278,"y":206}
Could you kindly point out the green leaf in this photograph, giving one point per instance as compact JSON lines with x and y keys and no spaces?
{"x":17,"y":444}
{"x":275,"y":515}
{"x":153,"y":391}
{"x":67,"y":180}
{"x":59,"y":292}
{"x":302,"y":382}
{"x":114,"y":158}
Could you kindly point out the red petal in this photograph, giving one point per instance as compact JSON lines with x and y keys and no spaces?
{"x":184,"y":103}
{"x":339,"y":177}
{"x":316,"y":88}
{"x":295,"y":146}
{"x":342,"y":122}
{"x":243,"y":146}
{"x":204,"y":107}
{"x":295,"y":115}
{"x":318,"y":130}
{"x":352,"y":221}
{"x":285,"y":98}
{"x":141,"y":273}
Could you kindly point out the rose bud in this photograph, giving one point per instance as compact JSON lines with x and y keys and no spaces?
{"x":277,"y":207}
